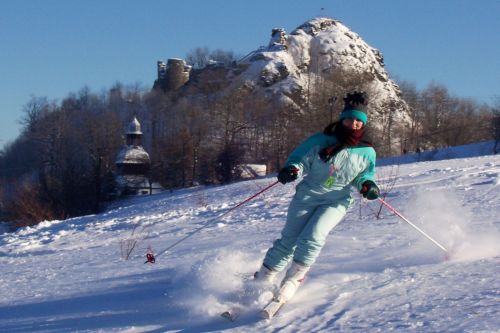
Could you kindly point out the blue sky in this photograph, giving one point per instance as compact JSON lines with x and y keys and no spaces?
{"x":54,"y":47}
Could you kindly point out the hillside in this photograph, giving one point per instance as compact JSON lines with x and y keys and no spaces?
{"x":315,"y":53}
{"x":374,"y":275}
{"x":301,"y":71}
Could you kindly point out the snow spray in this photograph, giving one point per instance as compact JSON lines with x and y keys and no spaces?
{"x":392,"y":209}
{"x":444,"y":215}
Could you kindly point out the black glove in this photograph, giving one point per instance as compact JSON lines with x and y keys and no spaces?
{"x":370,"y":190}
{"x":288,"y":174}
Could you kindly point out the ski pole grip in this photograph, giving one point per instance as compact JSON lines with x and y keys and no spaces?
{"x":150,"y":258}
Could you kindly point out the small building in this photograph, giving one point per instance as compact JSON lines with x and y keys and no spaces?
{"x":133,"y":164}
{"x":250,"y":171}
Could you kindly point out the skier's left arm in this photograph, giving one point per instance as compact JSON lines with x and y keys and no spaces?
{"x":365,"y":182}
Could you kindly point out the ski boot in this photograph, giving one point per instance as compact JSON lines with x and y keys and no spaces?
{"x":265,"y":275}
{"x":294,"y":277}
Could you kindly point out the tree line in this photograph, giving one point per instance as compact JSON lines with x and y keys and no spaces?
{"x":63,"y":162}
{"x":439,"y":119}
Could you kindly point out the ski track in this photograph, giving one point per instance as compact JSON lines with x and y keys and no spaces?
{"x":374,"y":275}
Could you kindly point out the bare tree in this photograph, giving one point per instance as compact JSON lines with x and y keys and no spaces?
{"x":496,"y":126}
{"x":412,"y":99}
{"x":202,"y":56}
{"x":34,"y":110}
{"x":198,"y":57}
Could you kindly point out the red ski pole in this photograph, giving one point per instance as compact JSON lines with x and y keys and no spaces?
{"x":150,"y":257}
{"x":392,"y":209}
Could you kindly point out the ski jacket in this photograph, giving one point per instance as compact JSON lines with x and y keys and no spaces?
{"x":328,"y":182}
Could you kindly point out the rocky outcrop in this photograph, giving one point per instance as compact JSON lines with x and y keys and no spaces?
{"x":323,"y":47}
{"x":286,"y":70}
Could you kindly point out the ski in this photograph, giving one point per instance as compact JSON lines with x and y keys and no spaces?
{"x":252,"y":293}
{"x":231,"y":314}
{"x":271,"y":309}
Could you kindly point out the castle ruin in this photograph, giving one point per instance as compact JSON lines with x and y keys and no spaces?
{"x":172,"y":75}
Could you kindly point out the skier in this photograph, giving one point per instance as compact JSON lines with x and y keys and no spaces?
{"x":330,"y":162}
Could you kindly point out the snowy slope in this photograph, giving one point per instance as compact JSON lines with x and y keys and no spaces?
{"x":374,"y":275}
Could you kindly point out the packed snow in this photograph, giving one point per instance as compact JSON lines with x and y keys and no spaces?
{"x":88,"y":274}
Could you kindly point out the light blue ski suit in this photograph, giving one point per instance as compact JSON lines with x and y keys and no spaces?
{"x":321,"y":199}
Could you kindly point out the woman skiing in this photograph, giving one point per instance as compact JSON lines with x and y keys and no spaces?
{"x":330,"y":162}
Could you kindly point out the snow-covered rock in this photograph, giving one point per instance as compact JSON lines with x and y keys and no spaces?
{"x":320,"y":54}
{"x":322,"y":47}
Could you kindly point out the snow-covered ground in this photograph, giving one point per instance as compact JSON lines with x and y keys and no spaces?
{"x":374,"y":275}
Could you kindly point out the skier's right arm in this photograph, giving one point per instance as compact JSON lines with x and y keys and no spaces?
{"x":301,"y":157}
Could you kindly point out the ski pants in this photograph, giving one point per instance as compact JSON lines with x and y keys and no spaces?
{"x":304,"y":234}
